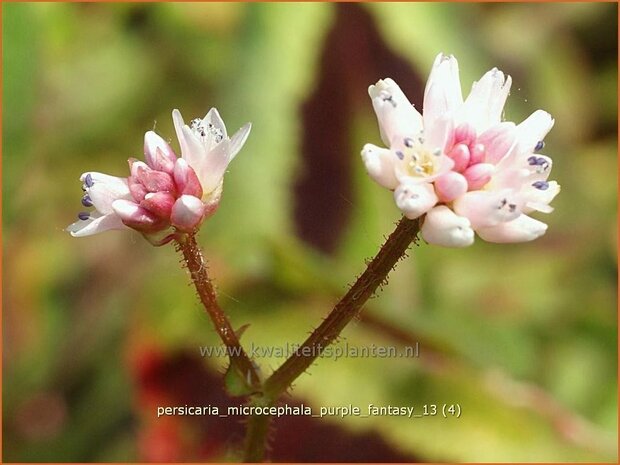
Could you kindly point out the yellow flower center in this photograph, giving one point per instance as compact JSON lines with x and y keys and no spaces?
{"x":417,"y":159}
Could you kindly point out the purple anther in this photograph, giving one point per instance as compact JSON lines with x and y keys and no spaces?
{"x":539,"y":145}
{"x":87,"y":201}
{"x":88,"y":180}
{"x":83,"y":216}
{"x":542,"y":185}
{"x":537,"y":161}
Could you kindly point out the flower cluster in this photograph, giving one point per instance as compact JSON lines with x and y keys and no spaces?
{"x":165,"y":191}
{"x":458,"y":163}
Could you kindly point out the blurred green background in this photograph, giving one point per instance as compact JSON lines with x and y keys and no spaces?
{"x":100,"y":330}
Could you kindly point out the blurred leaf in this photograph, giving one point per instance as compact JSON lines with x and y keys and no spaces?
{"x":276,"y":52}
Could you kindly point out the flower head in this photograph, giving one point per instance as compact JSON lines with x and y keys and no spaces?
{"x":458,"y":162}
{"x":165,"y":191}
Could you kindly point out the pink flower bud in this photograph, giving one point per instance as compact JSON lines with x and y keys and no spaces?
{"x":478,"y":175}
{"x":159,"y":203}
{"x":460,"y":155}
{"x":450,"y":186}
{"x":136,"y":189}
{"x":187,"y":213}
{"x":477,"y":154}
{"x":186,"y":180}
{"x":158,"y":154}
{"x":137,"y":217}
{"x":464,"y":134}
{"x":154,"y":181}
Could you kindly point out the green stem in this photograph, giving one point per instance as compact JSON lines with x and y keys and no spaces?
{"x":256,"y":438}
{"x":346,"y":310}
{"x":197,"y":266}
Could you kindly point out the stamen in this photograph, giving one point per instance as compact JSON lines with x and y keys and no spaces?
{"x":197,"y":125}
{"x":216,"y":132}
{"x":408,"y":142}
{"x":400,"y":155}
{"x":540,"y":162}
{"x":511,"y":207}
{"x":542,"y":185}
{"x":387,"y":97}
{"x":87,"y":201}
{"x":539,"y":145}
{"x":83,"y":216}
{"x":88,"y":180}
{"x":502,"y":204}
{"x":411,"y":195}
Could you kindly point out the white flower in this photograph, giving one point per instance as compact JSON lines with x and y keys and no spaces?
{"x":166,"y":191}
{"x":100,"y":192}
{"x":483,"y":173}
{"x":414,"y":156}
{"x":205,"y":146}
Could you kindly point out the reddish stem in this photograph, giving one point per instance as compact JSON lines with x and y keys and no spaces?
{"x":197,"y":266}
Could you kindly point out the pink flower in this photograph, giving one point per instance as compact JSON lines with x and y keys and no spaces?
{"x":482,"y":170}
{"x":165,"y":191}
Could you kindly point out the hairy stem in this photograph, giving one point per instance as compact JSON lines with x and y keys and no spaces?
{"x":345,"y":310}
{"x":197,"y":266}
{"x":256,"y":438}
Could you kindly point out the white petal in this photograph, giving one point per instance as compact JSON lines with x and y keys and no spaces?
{"x":415,"y":199}
{"x":106,"y":189}
{"x":498,"y":141}
{"x":521,"y":229}
{"x":195,"y":153}
{"x":538,"y":199}
{"x":379,"y":164}
{"x":238,"y":140}
{"x":509,"y":178}
{"x":438,"y":134}
{"x":95,"y":225}
{"x":482,"y":108}
{"x":211,"y":169}
{"x":397,"y":117}
{"x":104,"y":179}
{"x":533,"y":129}
{"x":498,"y":100}
{"x":179,"y":124}
{"x":443,"y":227}
{"x":488,"y":208}
{"x":443,"y":89}
{"x":213,"y":117}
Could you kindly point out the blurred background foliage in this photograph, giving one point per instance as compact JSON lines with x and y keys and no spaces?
{"x":99,"y":331}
